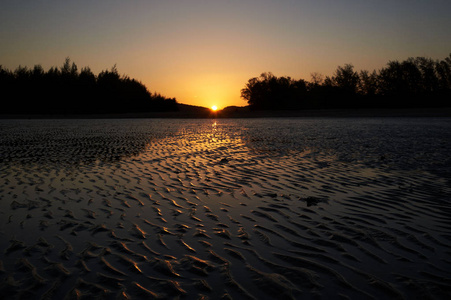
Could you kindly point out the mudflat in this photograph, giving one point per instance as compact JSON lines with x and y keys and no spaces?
{"x":244,"y":209}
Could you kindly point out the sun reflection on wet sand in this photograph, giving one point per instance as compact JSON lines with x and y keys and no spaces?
{"x":218,"y":207}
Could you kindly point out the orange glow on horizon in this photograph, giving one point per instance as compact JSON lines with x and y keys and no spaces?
{"x":214,"y":108}
{"x":204,"y":51}
{"x":202,"y":89}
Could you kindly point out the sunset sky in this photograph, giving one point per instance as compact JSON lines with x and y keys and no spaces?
{"x":203,"y":52}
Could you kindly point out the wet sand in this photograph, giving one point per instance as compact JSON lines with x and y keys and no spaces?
{"x":198,"y":209}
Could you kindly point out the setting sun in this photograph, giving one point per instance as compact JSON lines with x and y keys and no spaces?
{"x":214,"y":108}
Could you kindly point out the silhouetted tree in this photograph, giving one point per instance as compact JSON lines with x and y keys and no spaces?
{"x":368,"y":83}
{"x":316,"y":79}
{"x":346,"y":79}
{"x":415,"y":82}
{"x":271,"y":92}
{"x":443,"y":71}
{"x":66,"y":90}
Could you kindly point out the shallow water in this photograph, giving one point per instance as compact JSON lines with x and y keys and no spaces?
{"x":261,"y":208}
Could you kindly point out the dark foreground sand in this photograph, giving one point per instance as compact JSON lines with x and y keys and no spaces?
{"x":249,"y":210}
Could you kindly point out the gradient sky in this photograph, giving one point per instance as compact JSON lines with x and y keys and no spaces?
{"x":203,"y":51}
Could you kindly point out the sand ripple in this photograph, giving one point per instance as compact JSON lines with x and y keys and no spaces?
{"x":246,"y":209}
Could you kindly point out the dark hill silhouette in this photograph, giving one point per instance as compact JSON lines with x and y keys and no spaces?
{"x":413,"y":83}
{"x":66,"y":90}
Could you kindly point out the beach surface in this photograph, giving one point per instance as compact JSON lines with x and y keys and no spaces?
{"x":229,"y":208}
{"x":244,"y":112}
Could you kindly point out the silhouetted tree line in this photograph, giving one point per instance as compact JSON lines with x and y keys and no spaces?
{"x":415,"y":82}
{"x":66,"y":90}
